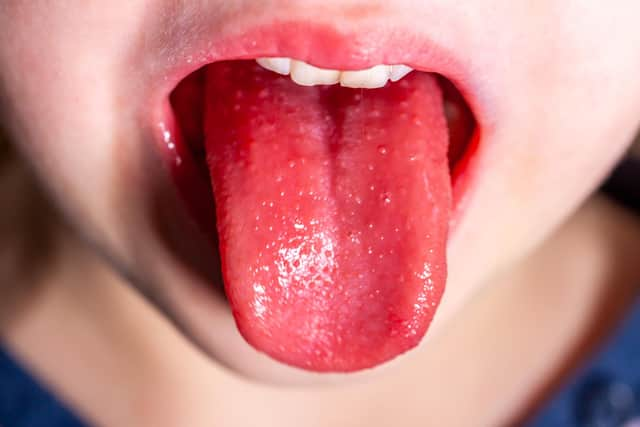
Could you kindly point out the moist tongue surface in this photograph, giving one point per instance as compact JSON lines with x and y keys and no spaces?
{"x":332,"y":210}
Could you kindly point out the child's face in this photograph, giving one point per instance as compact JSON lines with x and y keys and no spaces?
{"x":554,"y":86}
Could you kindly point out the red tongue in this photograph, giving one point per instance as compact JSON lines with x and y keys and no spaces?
{"x":332,"y":210}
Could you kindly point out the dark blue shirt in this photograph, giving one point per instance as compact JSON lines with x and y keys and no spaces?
{"x":606,"y":390}
{"x":24,"y":402}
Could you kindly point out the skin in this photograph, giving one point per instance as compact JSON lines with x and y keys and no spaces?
{"x":563,"y":100}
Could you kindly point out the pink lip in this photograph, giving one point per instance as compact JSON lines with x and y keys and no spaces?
{"x":326,"y":47}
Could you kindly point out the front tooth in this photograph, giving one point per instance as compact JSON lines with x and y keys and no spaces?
{"x":399,"y":71}
{"x":308,"y":75}
{"x":370,"y":78}
{"x":278,"y":65}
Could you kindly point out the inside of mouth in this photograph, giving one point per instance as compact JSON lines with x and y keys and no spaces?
{"x":208,"y":119}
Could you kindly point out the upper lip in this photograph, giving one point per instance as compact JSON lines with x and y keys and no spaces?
{"x":347,"y":37}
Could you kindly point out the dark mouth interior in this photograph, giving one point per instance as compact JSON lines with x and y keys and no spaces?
{"x":187,"y":101}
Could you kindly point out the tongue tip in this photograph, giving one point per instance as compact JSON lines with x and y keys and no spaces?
{"x":330,"y":360}
{"x":322,"y":351}
{"x":340,"y":334}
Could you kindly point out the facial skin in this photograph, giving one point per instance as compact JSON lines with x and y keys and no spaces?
{"x":557,"y":80}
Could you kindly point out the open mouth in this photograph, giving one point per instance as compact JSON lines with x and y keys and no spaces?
{"x":327,"y":195}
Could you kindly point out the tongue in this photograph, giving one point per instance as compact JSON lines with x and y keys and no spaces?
{"x":332,"y":212}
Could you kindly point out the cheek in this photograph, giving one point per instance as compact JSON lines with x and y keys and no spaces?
{"x":65,"y":108}
{"x":561,"y":122}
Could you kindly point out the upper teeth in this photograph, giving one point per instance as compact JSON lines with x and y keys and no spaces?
{"x":308,"y":75}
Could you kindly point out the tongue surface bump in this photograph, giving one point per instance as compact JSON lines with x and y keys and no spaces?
{"x":332,"y":213}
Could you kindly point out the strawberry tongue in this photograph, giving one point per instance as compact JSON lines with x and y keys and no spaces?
{"x":332,"y":213}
